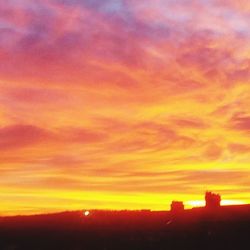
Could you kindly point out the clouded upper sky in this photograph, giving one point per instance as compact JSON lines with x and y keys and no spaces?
{"x":123,"y":104}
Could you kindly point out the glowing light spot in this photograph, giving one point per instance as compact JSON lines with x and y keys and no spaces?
{"x":86,"y":213}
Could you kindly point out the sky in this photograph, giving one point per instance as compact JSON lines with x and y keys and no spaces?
{"x":123,"y":104}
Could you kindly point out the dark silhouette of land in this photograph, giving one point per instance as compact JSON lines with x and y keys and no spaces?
{"x":209,"y":227}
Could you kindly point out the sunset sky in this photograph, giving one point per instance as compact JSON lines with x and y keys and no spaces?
{"x":123,"y":104}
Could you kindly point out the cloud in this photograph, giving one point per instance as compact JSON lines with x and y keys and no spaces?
{"x":148,"y":136}
{"x":81,"y":135}
{"x":17,"y":136}
{"x":239,"y":6}
{"x":204,"y":57}
{"x":240,"y":122}
{"x":214,"y":177}
{"x":189,"y":123}
{"x":35,"y":95}
{"x":123,"y":96}
{"x":213,"y":152}
{"x":238,"y":148}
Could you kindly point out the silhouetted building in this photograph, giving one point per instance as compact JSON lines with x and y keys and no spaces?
{"x":177,"y":206}
{"x":212,"y":200}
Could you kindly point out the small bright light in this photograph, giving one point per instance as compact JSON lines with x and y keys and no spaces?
{"x":86,"y":213}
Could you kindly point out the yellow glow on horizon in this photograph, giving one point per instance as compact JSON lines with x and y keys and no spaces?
{"x":201,"y":203}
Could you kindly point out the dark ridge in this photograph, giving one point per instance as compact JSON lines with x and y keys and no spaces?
{"x":223,"y":227}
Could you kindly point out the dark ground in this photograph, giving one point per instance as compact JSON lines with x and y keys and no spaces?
{"x":192,"y":229}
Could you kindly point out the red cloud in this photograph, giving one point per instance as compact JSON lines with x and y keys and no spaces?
{"x":190,"y":123}
{"x":17,"y":136}
{"x":81,"y":135}
{"x":240,"y":122}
